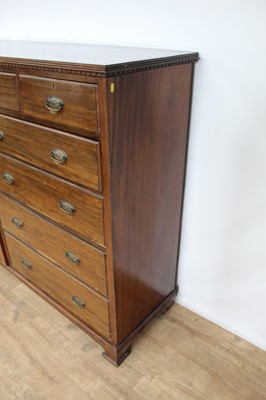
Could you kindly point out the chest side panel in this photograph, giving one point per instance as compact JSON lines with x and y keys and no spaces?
{"x":149,"y":114}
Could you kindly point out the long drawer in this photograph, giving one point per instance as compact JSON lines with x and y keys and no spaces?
{"x":71,"y":157}
{"x":72,"y":105}
{"x":74,"y":208}
{"x":72,"y":254}
{"x":8,"y":92}
{"x":88,"y":307}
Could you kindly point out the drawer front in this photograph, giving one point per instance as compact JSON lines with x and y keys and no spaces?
{"x":73,"y":207}
{"x":8,"y":92}
{"x":72,"y":254}
{"x":74,"y":297}
{"x":70,"y":157}
{"x":69,"y":104}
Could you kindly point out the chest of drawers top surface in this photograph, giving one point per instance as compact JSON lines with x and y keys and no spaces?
{"x":93,"y":143}
{"x":99,"y":59}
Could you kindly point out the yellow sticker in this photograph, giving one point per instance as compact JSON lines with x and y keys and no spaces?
{"x":112,"y":88}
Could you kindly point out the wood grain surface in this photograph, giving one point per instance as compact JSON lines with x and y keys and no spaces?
{"x":60,"y":286}
{"x":123,"y":190}
{"x":43,"y":192}
{"x":87,"y":59}
{"x":148,"y":146}
{"x":2,"y":258}
{"x":8,"y":92}
{"x":41,"y":234}
{"x":80,"y":102}
{"x":33,"y":144}
{"x":179,"y":356}
{"x":103,"y":88}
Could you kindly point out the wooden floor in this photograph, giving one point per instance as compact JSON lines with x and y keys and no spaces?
{"x":179,"y":356}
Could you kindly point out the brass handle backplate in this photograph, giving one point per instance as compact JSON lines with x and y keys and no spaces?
{"x":1,"y":135}
{"x":78,"y":302}
{"x":54,"y":104}
{"x":67,"y":207}
{"x":7,"y":178}
{"x":58,"y":156}
{"x":17,"y":222}
{"x":26,"y":263}
{"x":73,"y":257}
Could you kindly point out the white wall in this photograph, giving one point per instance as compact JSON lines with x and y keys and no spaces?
{"x":223,"y":259}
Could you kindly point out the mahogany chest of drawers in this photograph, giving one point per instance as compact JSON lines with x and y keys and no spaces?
{"x":93,"y":144}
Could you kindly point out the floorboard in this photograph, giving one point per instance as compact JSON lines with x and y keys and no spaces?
{"x":179,"y":356}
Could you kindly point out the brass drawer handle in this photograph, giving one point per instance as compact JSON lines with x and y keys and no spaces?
{"x":67,"y":207}
{"x":7,"y":178}
{"x":72,"y":257}
{"x":17,"y":222}
{"x":54,"y":104}
{"x":26,"y":263}
{"x":1,"y":135}
{"x":78,"y":302}
{"x":58,"y":156}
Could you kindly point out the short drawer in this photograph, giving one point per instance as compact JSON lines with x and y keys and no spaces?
{"x":68,"y":156}
{"x":73,"y":207}
{"x":72,"y":105}
{"x":87,"y":306}
{"x":8,"y":92}
{"x":72,"y":254}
